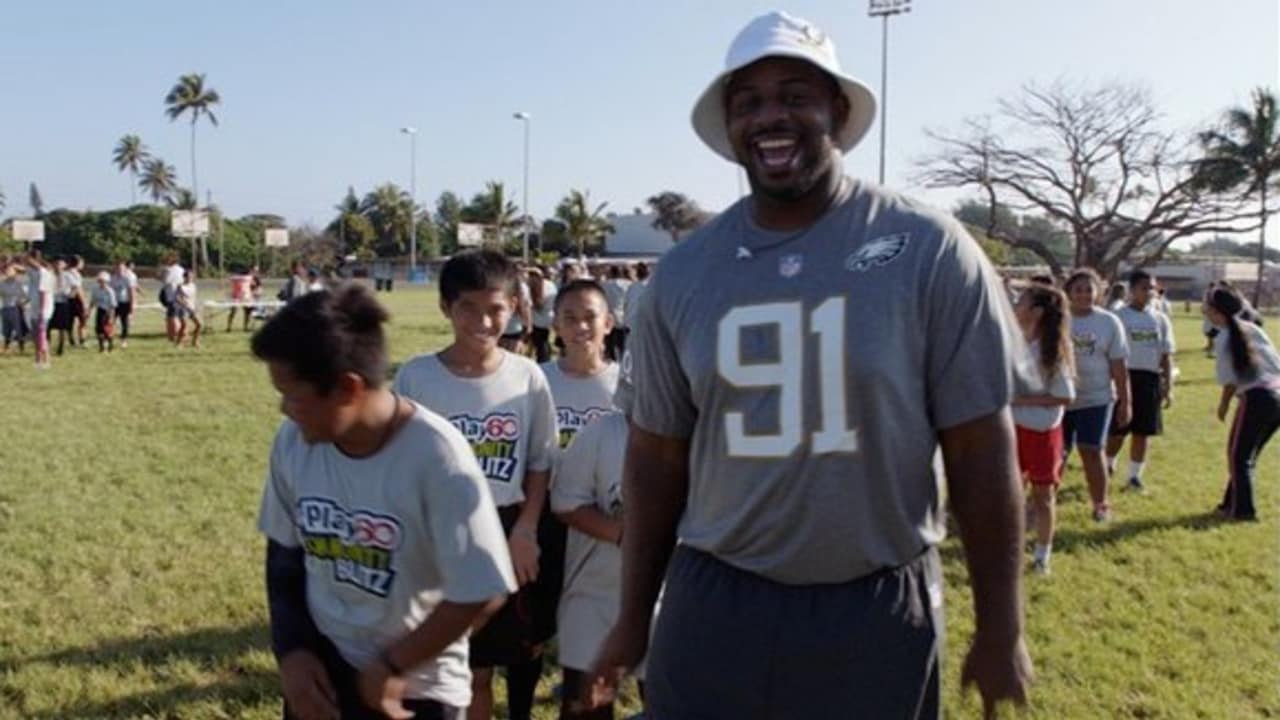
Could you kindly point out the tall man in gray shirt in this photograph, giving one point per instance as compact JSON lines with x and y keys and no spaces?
{"x":785,"y":415}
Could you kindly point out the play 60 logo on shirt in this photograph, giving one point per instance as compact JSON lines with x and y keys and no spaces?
{"x":493,"y":439}
{"x":360,"y":544}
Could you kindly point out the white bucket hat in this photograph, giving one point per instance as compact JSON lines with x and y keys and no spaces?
{"x":778,"y":34}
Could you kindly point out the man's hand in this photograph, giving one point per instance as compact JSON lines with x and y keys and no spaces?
{"x":623,"y":649}
{"x":382,"y":691}
{"x":1223,"y":408}
{"x":523,"y":546}
{"x":306,"y":687}
{"x":1001,"y":669}
{"x":1124,"y":413}
{"x":1166,"y":393}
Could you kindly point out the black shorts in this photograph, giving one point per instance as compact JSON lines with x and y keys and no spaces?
{"x":513,"y":634}
{"x":1144,"y":389}
{"x":77,"y":307}
{"x":731,"y":644}
{"x":62,"y":317}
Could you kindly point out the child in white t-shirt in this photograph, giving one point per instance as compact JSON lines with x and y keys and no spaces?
{"x":384,"y":547}
{"x":501,"y":403}
{"x":103,"y":301}
{"x":188,"y":310}
{"x":1042,"y":312}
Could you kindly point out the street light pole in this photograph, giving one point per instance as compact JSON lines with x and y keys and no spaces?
{"x":525,"y":118}
{"x":412,"y":132}
{"x":883,"y":9}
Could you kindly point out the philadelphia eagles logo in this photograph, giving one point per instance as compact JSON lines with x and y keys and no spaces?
{"x":876,"y":253}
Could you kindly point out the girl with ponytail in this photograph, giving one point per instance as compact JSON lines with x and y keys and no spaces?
{"x":1042,"y":313}
{"x":1248,"y":368}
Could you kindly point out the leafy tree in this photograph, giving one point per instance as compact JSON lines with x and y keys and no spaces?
{"x":676,"y":214}
{"x":356,"y":235}
{"x":1094,"y":161}
{"x":130,"y":154}
{"x":583,"y":224}
{"x":553,"y":237}
{"x":1243,"y":155}
{"x":190,"y":96}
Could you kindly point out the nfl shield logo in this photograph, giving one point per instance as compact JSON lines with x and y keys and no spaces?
{"x":790,"y":265}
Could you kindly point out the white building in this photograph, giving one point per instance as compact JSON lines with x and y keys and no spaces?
{"x":634,"y":235}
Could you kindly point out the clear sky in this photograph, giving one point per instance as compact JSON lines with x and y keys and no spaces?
{"x":314,"y":91}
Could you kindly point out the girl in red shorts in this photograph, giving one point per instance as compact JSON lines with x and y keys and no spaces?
{"x":1041,"y":311}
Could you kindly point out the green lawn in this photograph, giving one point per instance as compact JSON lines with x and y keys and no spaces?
{"x":131,"y":568}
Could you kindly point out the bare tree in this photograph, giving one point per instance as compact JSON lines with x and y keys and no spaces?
{"x":1093,"y":160}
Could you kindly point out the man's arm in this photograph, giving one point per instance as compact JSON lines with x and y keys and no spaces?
{"x":986,"y":498}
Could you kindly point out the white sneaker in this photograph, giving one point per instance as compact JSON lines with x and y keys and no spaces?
{"x":1040,"y":566}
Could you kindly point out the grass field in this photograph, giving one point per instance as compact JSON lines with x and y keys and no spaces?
{"x":131,"y":569}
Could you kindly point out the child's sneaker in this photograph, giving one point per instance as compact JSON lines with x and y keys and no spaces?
{"x":1040,"y":566}
{"x":1101,"y":513}
{"x":1135,"y":485}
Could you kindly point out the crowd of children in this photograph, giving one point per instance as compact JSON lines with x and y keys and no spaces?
{"x":1108,"y":374}
{"x":41,"y":298}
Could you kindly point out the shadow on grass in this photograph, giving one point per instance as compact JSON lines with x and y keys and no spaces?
{"x":214,"y":649}
{"x":1067,"y":540}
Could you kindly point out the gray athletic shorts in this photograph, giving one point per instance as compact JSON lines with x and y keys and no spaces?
{"x":731,"y":644}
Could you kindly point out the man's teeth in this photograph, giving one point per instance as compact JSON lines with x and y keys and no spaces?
{"x":775,"y":144}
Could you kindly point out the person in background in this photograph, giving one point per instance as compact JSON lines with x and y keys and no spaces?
{"x":63,"y":320}
{"x":103,"y":301}
{"x":13,"y":306}
{"x":1042,"y":315}
{"x":542,"y":300}
{"x":1102,"y":383}
{"x":314,"y":283}
{"x":1151,"y":348}
{"x":240,"y":293}
{"x":42,"y":285}
{"x":77,"y":300}
{"x":125,"y":284}
{"x":519,"y":327}
{"x":189,"y":306}
{"x":171,"y":278}
{"x":1248,"y":369}
{"x":615,"y":288}
{"x":632,"y":298}
{"x":1115,"y":297}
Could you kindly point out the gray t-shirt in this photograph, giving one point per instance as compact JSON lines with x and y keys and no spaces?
{"x":1098,"y":339}
{"x":507,"y":416}
{"x":579,"y":400}
{"x":1150,"y":337}
{"x":590,"y":475}
{"x":13,"y":292}
{"x":387,"y":539}
{"x":811,"y":372}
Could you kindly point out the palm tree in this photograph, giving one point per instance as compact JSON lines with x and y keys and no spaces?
{"x":182,"y":199}
{"x":582,"y":224}
{"x":389,"y":210}
{"x":492,"y":208}
{"x":158,"y":179}
{"x":129,"y":155}
{"x":190,"y":96}
{"x":1244,"y":154}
